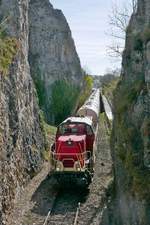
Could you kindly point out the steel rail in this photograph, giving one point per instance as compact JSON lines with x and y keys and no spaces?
{"x":50,"y":211}
{"x":47,"y":217}
{"x":77,"y":215}
{"x":75,"y":219}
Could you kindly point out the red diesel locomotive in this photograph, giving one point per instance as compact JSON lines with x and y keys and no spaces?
{"x":73,"y":153}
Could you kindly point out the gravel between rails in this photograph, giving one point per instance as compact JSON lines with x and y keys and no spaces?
{"x":43,"y":193}
{"x":65,"y":207}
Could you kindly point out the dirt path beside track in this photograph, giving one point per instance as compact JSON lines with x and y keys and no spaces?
{"x":27,"y":200}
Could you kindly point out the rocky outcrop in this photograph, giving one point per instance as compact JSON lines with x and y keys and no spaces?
{"x":131,"y":133}
{"x":21,"y":138}
{"x":52,"y":53}
{"x":34,"y":39}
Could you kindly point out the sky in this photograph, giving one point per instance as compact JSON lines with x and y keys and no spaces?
{"x":89,"y":23}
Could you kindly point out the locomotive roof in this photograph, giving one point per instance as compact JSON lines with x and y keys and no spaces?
{"x":77,"y":119}
{"x":92,"y":103}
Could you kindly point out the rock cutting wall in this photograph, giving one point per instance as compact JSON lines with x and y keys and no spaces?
{"x":33,"y":32}
{"x":131,"y":133}
{"x":52,"y":54}
{"x":21,"y":138}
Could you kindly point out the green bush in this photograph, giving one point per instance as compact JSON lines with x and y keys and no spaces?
{"x":40,"y":88}
{"x":63,"y":100}
{"x":49,"y":133}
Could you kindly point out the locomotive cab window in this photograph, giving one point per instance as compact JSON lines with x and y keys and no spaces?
{"x":72,"y":128}
{"x":62,"y":130}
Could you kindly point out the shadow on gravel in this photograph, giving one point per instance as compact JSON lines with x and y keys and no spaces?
{"x":66,"y":198}
{"x":43,"y":196}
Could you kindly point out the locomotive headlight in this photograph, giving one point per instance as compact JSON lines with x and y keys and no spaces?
{"x":59,"y":166}
{"x":69,"y":142}
{"x":77,"y":166}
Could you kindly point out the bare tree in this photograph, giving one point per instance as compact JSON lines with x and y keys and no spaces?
{"x":115,"y":50}
{"x":134,"y":6}
{"x":3,"y":23}
{"x":118,"y":21}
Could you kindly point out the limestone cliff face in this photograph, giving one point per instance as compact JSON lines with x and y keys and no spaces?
{"x":131,"y":134}
{"x":52,"y":53}
{"x":136,"y":72}
{"x":37,"y":40}
{"x":21,"y":138}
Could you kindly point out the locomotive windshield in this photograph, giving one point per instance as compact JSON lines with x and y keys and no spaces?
{"x":74,"y":128}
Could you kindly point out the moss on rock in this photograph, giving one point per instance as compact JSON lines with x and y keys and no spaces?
{"x":129,"y":144}
{"x":8,"y":49}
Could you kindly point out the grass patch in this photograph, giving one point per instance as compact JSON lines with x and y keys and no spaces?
{"x":126,"y":95}
{"x":8,"y":49}
{"x":49,"y":133}
{"x":103,"y":118}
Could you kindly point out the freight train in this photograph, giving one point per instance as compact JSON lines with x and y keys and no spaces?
{"x":73,"y":153}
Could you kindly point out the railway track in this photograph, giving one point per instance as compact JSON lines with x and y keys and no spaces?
{"x":65,"y":209}
{"x":50,"y":205}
